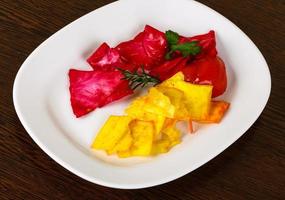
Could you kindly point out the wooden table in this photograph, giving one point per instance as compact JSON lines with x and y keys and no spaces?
{"x":252,"y":168}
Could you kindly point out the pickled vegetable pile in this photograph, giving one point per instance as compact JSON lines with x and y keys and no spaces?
{"x":185,"y":74}
{"x":150,"y":57}
{"x":149,"y":126}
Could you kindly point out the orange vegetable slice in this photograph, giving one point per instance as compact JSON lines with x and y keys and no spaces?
{"x":216,"y":113}
{"x":190,"y":125}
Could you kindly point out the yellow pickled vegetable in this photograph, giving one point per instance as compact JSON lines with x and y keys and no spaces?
{"x":161,"y":146}
{"x":150,"y":125}
{"x":158,"y":120}
{"x":142,"y":132}
{"x":123,"y":145}
{"x":124,"y":154}
{"x":154,"y":102}
{"x":177,"y":99}
{"x":197,"y":97}
{"x":170,"y":137}
{"x":112,"y":132}
{"x":173,"y":134}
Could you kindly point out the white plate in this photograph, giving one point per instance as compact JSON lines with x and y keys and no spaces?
{"x":41,"y":96}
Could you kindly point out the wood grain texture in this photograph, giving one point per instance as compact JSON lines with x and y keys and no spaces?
{"x":252,"y":168}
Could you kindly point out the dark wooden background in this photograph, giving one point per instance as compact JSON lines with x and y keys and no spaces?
{"x":252,"y":168}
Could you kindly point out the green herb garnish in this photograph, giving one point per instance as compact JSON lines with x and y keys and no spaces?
{"x":138,"y":79}
{"x":186,"y":48}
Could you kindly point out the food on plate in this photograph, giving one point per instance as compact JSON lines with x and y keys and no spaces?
{"x":112,"y":132}
{"x":216,"y":112}
{"x":206,"y":41}
{"x":149,"y":126}
{"x":196,"y":98}
{"x":93,"y":89}
{"x":147,"y":48}
{"x":150,"y":57}
{"x":207,"y":71}
{"x":108,"y":59}
{"x":185,"y":74}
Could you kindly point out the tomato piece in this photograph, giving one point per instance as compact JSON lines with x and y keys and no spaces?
{"x":206,"y":41}
{"x":169,"y":68}
{"x":208,"y":71}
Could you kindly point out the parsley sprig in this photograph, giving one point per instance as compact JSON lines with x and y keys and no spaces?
{"x":186,"y":48}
